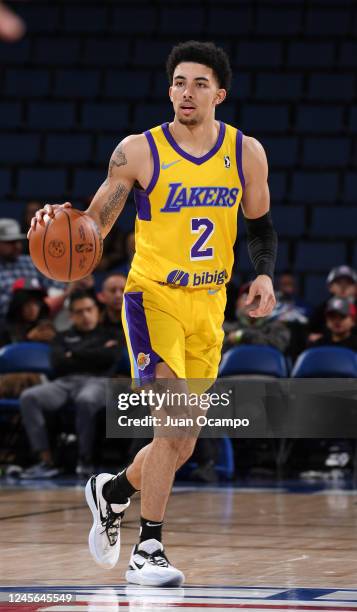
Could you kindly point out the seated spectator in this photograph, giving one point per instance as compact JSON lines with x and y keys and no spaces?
{"x":339,"y":323}
{"x":293,"y":311}
{"x":14,"y":265}
{"x":341,"y":282}
{"x":60,"y":305}
{"x":111,"y":296}
{"x":27,"y":318}
{"x":82,"y":357}
{"x":249,"y":330}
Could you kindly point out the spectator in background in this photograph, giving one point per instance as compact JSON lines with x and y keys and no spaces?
{"x":82,"y":357}
{"x":30,"y":210}
{"x":340,"y":323}
{"x":14,"y":265}
{"x":249,"y":330}
{"x":27,"y":318}
{"x":60,"y":305}
{"x":293,"y":311}
{"x":341,"y":282}
{"x":111,"y":296}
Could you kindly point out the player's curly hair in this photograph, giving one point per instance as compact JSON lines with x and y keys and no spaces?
{"x":206,"y":53}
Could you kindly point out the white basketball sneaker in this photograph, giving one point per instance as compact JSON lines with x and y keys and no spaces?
{"x":149,"y":566}
{"x":104,"y":536}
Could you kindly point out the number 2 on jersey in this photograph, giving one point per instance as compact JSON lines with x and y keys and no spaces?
{"x":198,"y":250}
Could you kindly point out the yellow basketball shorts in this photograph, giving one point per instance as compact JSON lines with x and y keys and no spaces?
{"x":177,"y":325}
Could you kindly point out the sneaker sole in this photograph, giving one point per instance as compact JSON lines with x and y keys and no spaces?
{"x":91,"y":538}
{"x":133,"y":578}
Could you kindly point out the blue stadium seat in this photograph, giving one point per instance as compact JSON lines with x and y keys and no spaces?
{"x":259,"y":54}
{"x":339,"y":221}
{"x":314,"y":187}
{"x":353,"y":119}
{"x":241,"y":85}
{"x":54,"y":51}
{"x":43,"y":183}
{"x":289,"y":221}
{"x":227,"y":112}
{"x":40,"y":18}
{"x":281,"y":151}
{"x":28,"y":83}
{"x":324,"y":119}
{"x":25,"y":357}
{"x":150,"y":52}
{"x":272,"y":86}
{"x":95,"y":19}
{"x":12,"y":210}
{"x":105,"y":52}
{"x":51,"y":115}
{"x":265,"y":118}
{"x":149,"y":115}
{"x":10,"y":115}
{"x":105,"y":116}
{"x":350,"y":187}
{"x":5,"y":178}
{"x":134,"y":19}
{"x":280,"y":21}
{"x":318,"y":256}
{"x":20,"y":52}
{"x":68,"y":148}
{"x":252,"y":359}
{"x":87,"y":182}
{"x":19,"y":148}
{"x":311,"y":54}
{"x":76,"y":84}
{"x":176,"y":21}
{"x":223,"y":20}
{"x":315,"y":290}
{"x":326,"y":362}
{"x":131,"y":84}
{"x":348,"y":54}
{"x":354,"y":260}
{"x":277,"y":186}
{"x":331,"y":86}
{"x":325,"y":21}
{"x":326,"y":152}
{"x":244,"y":264}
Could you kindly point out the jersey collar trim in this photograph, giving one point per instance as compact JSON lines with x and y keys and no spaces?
{"x":191,"y":158}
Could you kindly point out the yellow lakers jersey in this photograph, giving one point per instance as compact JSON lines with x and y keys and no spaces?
{"x":186,"y":221}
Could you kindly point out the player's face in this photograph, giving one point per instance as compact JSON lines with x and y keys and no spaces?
{"x":194,"y":93}
{"x":85,"y":314}
{"x":112,"y":292}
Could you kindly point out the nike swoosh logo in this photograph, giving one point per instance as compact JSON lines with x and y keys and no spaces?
{"x":138,"y":565}
{"x":166,"y":166}
{"x":153,"y":524}
{"x":212,"y":291}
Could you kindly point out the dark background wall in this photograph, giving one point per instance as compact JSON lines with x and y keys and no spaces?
{"x":88,"y":73}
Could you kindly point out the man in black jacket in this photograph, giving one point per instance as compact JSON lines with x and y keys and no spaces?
{"x":82,"y":358}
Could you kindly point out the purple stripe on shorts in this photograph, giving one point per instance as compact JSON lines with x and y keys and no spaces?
{"x":195,"y":160}
{"x":156,"y":158}
{"x":146,"y":359}
{"x":142,"y":203}
{"x":239,"y":143}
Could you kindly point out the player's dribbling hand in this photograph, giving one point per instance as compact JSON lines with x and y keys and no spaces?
{"x":261,"y":299}
{"x":48,"y":209}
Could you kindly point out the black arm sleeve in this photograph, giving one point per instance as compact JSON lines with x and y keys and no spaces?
{"x":262,"y":242}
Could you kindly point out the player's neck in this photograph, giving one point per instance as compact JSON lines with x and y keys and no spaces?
{"x":195,"y":139}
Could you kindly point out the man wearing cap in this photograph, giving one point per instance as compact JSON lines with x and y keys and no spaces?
{"x":341,"y":282}
{"x":14,"y":265}
{"x":340,"y":321}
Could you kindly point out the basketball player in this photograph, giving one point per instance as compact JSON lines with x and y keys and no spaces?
{"x":189,"y":177}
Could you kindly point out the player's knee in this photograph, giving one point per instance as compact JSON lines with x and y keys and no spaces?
{"x":186,"y":450}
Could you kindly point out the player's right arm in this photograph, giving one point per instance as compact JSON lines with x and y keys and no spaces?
{"x":130,"y":162}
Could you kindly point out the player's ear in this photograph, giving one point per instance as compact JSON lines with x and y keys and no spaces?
{"x":220,"y":96}
{"x":170,"y":92}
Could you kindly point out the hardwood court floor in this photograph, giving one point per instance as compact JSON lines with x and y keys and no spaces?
{"x":216,"y":536}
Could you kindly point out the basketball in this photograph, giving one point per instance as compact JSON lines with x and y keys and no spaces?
{"x":66,"y":247}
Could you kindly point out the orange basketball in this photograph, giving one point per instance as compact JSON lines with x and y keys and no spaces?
{"x":67,"y":247}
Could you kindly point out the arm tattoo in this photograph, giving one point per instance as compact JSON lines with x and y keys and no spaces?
{"x":117,"y":159}
{"x":113,"y":206}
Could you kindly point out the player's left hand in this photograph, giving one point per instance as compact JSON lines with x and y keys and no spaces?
{"x":261,"y":299}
